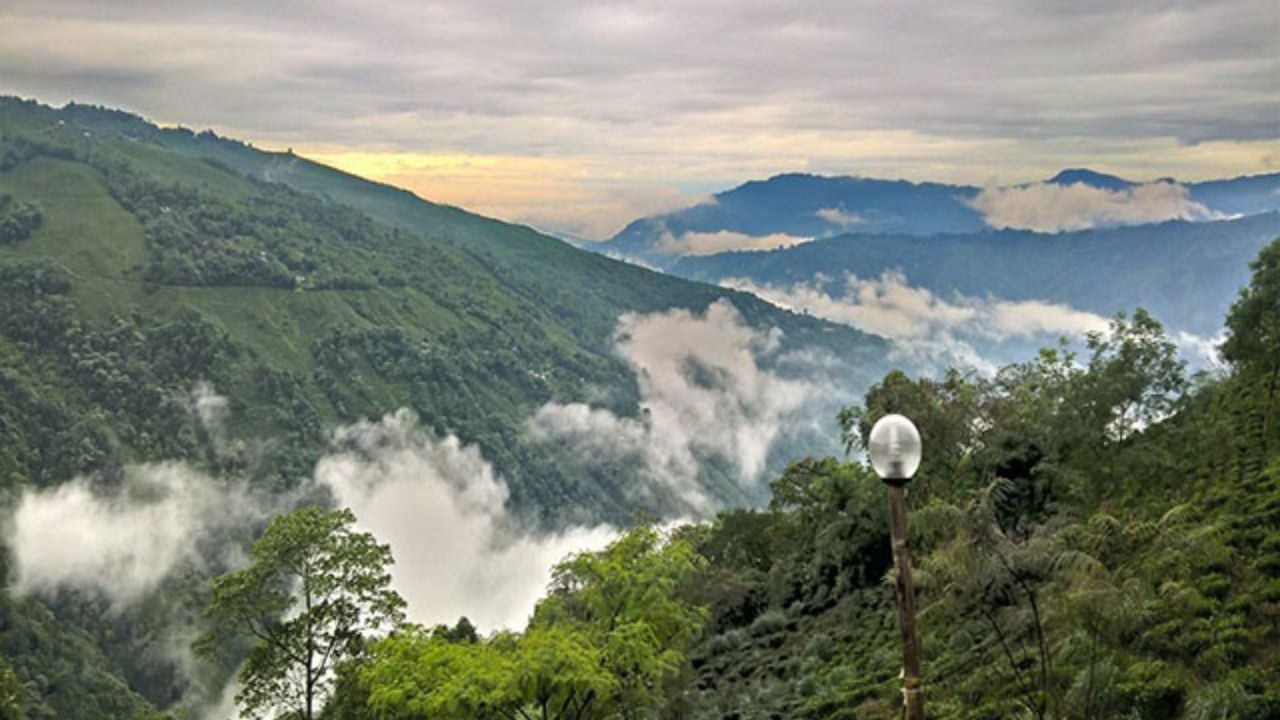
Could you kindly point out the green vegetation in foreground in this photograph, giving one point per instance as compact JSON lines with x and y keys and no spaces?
{"x":139,"y":264}
{"x":1095,"y":539}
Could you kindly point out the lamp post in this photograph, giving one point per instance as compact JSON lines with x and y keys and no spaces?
{"x":894,"y":447}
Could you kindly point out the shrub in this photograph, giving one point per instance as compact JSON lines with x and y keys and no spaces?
{"x":773,"y":621}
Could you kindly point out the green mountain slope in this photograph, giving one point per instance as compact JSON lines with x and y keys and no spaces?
{"x":137,"y":264}
{"x":331,"y":311}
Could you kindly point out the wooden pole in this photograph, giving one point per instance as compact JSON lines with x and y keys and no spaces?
{"x":912,"y":693}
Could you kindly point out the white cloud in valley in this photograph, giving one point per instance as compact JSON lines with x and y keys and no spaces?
{"x":704,"y":393}
{"x":437,"y":501}
{"x":926,"y":330}
{"x":442,"y":508}
{"x":710,"y":243}
{"x":1201,"y":352}
{"x":123,"y":542}
{"x":1051,"y":207}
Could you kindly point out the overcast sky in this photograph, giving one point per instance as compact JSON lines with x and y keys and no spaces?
{"x":578,"y":117}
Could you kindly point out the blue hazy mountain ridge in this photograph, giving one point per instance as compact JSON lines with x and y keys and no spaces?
{"x":795,"y":204}
{"x":1085,"y":176}
{"x":1248,"y":195}
{"x":1244,"y":195}
{"x":1186,"y":273}
{"x":815,"y":206}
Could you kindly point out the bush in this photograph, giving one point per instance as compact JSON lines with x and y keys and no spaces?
{"x":725,"y":642}
{"x":821,"y":647}
{"x":17,"y":220}
{"x":773,"y":621}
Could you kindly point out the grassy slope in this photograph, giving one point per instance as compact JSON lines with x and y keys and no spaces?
{"x":538,"y":268}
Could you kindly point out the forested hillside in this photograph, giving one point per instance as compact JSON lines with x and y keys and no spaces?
{"x":167,"y":266}
{"x":1095,"y":537}
{"x":143,"y":271}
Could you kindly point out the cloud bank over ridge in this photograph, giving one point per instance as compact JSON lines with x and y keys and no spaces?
{"x":927,"y":331}
{"x":1051,"y":208}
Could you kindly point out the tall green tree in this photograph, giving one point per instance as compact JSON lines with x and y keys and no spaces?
{"x":550,"y":673}
{"x":315,"y":588}
{"x":612,"y":640}
{"x":630,"y":600}
{"x":1253,"y":332}
{"x":1135,"y":373}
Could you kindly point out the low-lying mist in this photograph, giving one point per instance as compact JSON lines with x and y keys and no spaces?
{"x":930,"y":333}
{"x":713,"y":390}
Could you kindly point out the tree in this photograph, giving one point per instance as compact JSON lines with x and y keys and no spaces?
{"x":550,"y":673}
{"x":315,"y":587}
{"x":1253,"y":330}
{"x":1135,"y":373}
{"x":611,"y":640}
{"x":14,"y":694}
{"x":995,"y":583}
{"x":1133,"y":380}
{"x":629,"y":600}
{"x":945,"y":412}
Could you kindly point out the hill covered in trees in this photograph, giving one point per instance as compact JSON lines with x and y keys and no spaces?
{"x":1095,"y":537}
{"x":138,"y":261}
{"x":151,"y":276}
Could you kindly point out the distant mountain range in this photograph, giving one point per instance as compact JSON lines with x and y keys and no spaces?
{"x":1179,"y":250}
{"x":794,"y":208}
{"x":1186,"y":273}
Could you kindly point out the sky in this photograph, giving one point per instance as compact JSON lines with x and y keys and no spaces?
{"x":577,"y":118}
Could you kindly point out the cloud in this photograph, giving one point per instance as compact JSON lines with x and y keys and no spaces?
{"x":641,"y":96}
{"x":443,"y":510}
{"x":122,"y":543}
{"x":1049,"y":207}
{"x":1200,"y":352}
{"x":710,"y":243}
{"x":839,"y":217}
{"x":703,"y":394}
{"x":631,"y":260}
{"x":437,"y":501}
{"x":927,"y":331}
{"x":1029,"y":318}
